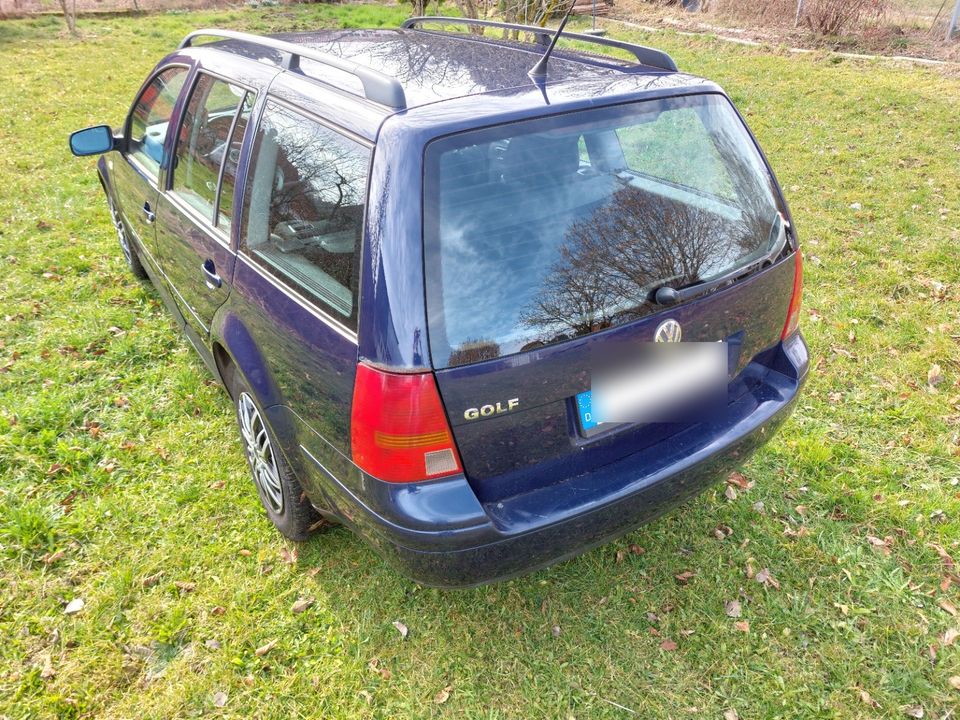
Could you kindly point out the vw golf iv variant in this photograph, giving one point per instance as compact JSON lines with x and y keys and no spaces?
{"x":485,"y":311}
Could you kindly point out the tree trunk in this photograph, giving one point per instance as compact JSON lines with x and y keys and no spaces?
{"x":69,"y":8}
{"x":469,"y":9}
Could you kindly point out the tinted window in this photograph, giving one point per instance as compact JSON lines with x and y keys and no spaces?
{"x":305,"y":212}
{"x":204,"y":140}
{"x":540,"y":231}
{"x":677,"y":148}
{"x":151,"y":115}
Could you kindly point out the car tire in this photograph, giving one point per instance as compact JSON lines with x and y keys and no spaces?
{"x":280,"y":492}
{"x":126,"y":244}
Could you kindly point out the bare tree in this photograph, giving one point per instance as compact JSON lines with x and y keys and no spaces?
{"x":472,"y":351}
{"x":833,"y":17}
{"x":473,"y":9}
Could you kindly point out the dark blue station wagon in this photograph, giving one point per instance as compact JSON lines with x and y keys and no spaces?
{"x":444,"y":287}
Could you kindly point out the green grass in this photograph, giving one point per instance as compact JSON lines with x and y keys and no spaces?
{"x":114,"y":443}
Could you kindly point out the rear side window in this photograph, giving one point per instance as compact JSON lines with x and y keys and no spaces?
{"x":305,"y":209}
{"x":207,"y":137}
{"x":545,"y":230}
{"x":150,"y":118}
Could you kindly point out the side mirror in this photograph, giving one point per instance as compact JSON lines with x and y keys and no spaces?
{"x":92,"y":141}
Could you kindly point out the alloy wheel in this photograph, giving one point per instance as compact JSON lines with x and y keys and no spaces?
{"x":260,"y":455}
{"x":121,"y":234}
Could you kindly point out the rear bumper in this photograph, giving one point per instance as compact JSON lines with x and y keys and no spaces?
{"x":438,"y":533}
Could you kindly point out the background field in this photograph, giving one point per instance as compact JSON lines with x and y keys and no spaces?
{"x":122,"y":483}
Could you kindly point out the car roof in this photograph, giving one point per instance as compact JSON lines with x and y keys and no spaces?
{"x":435,"y":66}
{"x":439,"y":67}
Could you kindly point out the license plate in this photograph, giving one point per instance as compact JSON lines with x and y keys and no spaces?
{"x":668,"y":383}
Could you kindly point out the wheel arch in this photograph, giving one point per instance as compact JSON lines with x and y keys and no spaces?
{"x":236,"y":354}
{"x":224,"y":364}
{"x":234,"y":351}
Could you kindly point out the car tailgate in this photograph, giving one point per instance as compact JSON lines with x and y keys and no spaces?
{"x":535,"y":441}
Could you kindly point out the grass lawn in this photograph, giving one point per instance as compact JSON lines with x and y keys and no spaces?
{"x":122,"y":481}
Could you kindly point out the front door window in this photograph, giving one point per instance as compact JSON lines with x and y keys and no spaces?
{"x":150,"y":117}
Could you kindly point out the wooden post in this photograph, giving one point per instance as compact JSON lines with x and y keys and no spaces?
{"x":796,"y":20}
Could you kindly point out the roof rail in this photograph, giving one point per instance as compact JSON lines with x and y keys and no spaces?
{"x":645,"y":55}
{"x":377,"y":87}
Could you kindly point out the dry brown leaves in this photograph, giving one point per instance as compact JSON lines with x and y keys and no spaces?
{"x":302,"y":605}
{"x":766,"y":578}
{"x":883,"y":545}
{"x":264,"y":649}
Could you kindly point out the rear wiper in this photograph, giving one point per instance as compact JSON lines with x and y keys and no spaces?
{"x":666,"y":295}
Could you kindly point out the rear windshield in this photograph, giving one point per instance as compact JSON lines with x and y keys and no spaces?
{"x":544,"y":230}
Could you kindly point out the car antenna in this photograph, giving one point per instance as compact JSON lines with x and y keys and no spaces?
{"x":539,"y":71}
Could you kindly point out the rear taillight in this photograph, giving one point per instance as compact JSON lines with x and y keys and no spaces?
{"x":398,"y":429}
{"x":793,"y":314}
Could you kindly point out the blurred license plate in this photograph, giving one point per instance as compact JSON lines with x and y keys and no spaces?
{"x":661,"y":383}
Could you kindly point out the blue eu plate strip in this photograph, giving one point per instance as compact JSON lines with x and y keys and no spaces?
{"x":585,"y":408}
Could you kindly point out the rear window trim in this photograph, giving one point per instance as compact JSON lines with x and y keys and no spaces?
{"x":307,"y":304}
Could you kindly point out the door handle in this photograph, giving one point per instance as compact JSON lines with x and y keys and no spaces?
{"x":210,"y":275}
{"x":149,"y":214}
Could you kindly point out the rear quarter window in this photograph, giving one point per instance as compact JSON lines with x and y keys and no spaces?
{"x":306,"y":199}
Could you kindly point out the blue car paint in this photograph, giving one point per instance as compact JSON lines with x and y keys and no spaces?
{"x":497,"y":459}
{"x":455,"y":531}
{"x":107,"y":178}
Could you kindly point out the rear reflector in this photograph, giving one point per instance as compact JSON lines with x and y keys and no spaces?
{"x":793,"y":314}
{"x":398,"y":429}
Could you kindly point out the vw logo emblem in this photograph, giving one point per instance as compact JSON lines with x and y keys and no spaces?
{"x":668,"y":331}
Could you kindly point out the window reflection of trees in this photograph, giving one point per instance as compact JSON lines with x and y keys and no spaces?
{"x":444,"y":63}
{"x":316,"y":187}
{"x":447,"y":64}
{"x":317,"y":175}
{"x":611,"y":261}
